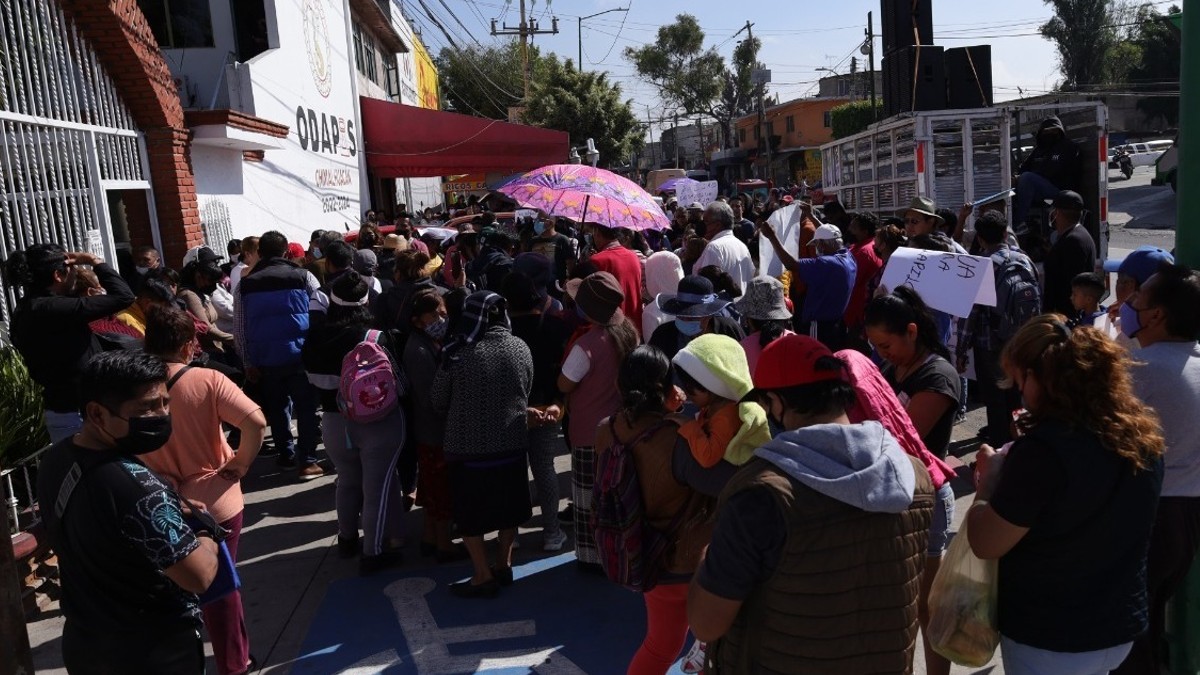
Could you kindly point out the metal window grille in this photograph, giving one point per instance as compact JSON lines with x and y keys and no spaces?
{"x":65,"y":135}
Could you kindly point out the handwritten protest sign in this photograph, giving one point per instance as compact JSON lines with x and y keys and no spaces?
{"x":696,"y":191}
{"x":522,"y":214}
{"x":948,"y":282}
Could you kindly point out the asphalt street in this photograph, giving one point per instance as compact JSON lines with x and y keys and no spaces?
{"x":1140,"y":214}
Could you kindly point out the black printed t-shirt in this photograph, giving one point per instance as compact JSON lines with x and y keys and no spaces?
{"x":122,"y":527}
{"x":1076,"y":581}
{"x":938,"y":376}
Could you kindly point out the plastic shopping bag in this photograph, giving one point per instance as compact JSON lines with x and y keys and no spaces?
{"x":962,"y":606}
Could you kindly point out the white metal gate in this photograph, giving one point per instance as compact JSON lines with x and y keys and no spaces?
{"x":66,"y":137}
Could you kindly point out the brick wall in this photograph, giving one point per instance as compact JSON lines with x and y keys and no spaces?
{"x":126,"y":47}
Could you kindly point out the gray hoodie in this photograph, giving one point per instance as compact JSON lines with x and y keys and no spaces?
{"x":857,"y":464}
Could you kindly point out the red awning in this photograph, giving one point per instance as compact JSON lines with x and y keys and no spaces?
{"x":406,"y":141}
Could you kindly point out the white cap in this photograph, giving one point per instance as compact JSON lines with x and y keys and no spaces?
{"x":826,"y":232}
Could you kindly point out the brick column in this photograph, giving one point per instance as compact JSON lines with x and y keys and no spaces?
{"x":174,"y":193}
{"x":126,"y":47}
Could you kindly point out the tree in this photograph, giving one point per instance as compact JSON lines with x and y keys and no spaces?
{"x":1084,"y":34}
{"x":739,"y":95}
{"x":486,"y":81}
{"x":585,"y":105}
{"x":695,"y":80}
{"x":1160,"y":52}
{"x":850,"y":118}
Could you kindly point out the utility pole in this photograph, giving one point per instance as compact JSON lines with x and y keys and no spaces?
{"x":650,"y":128}
{"x":675,"y":138}
{"x":526,"y":30}
{"x":579,"y":66}
{"x":762,"y":112}
{"x":871,"y":63}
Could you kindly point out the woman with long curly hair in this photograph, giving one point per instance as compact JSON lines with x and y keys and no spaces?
{"x":1069,"y":509}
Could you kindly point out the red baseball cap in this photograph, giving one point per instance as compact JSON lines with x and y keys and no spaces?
{"x":790,"y":362}
{"x":295,"y":250}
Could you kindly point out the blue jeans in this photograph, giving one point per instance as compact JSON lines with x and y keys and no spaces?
{"x":1030,"y":186}
{"x":943,"y":515}
{"x":281,"y":386}
{"x":1022,"y":659}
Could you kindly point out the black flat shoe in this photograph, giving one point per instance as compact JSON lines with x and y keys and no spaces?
{"x":465,"y":589}
{"x":503,"y":575}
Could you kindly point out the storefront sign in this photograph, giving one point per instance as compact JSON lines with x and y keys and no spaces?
{"x":466,"y":183}
{"x":427,"y":78}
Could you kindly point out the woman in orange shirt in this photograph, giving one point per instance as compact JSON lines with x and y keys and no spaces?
{"x":199,"y":463}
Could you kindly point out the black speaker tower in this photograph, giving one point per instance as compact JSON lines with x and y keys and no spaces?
{"x":969,"y":77}
{"x":906,"y":23}
{"x":914,"y":79}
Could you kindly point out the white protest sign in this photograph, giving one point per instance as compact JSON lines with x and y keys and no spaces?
{"x":696,"y":191}
{"x":522,"y":214}
{"x":948,"y":282}
{"x":786,"y":222}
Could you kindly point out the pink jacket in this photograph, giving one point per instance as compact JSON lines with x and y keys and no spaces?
{"x":877,"y":401}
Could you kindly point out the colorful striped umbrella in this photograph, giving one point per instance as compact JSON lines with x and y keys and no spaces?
{"x":586,"y":194}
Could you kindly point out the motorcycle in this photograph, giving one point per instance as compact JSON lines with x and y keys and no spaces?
{"x":1124,"y":162}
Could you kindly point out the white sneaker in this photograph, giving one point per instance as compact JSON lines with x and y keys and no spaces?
{"x":554,"y":542}
{"x":694,"y":661}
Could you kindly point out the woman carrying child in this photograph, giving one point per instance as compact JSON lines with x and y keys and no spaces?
{"x":678,"y":494}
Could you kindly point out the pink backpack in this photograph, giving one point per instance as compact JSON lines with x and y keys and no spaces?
{"x":369,"y":389}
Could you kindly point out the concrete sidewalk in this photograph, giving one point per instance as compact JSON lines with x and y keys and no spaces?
{"x":307,"y":611}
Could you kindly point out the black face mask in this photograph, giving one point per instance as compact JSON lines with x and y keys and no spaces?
{"x":146,"y":434}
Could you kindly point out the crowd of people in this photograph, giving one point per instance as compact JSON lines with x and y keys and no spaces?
{"x":790,"y":437}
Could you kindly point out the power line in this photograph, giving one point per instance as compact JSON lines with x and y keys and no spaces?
{"x":469,"y":60}
{"x":628,"y":7}
{"x":478,"y":14}
{"x":460,"y":23}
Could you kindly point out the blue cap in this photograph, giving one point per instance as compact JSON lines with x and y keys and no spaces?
{"x":1141,"y":264}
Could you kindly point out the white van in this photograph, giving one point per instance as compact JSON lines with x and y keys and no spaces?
{"x":1146,"y":153}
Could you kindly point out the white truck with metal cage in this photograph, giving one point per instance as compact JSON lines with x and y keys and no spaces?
{"x":956,"y":157}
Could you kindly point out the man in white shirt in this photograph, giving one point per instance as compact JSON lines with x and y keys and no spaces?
{"x":725,"y":250}
{"x":1162,"y":315}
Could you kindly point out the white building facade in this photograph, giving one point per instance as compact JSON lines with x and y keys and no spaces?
{"x":250,"y":68}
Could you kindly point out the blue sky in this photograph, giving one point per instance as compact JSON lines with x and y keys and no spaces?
{"x":797,"y":39}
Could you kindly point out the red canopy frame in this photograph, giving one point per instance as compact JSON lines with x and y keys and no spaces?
{"x":403,"y":141}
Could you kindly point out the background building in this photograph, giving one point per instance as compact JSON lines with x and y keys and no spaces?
{"x":794,"y":131}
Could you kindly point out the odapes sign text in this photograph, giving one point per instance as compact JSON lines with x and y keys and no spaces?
{"x":307,"y":83}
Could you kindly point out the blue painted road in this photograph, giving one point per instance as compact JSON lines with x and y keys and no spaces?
{"x":553,"y":620}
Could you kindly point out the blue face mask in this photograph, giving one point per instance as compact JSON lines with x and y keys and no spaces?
{"x":539,"y":227}
{"x":1131,"y":323}
{"x":316,"y":253}
{"x":688,"y":328}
